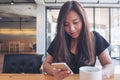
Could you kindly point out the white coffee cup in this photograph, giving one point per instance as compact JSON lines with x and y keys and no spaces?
{"x":90,"y":73}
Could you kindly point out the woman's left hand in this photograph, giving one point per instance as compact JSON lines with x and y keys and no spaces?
{"x":105,"y":74}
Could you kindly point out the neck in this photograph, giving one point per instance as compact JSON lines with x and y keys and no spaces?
{"x":74,"y":45}
{"x":74,"y":41}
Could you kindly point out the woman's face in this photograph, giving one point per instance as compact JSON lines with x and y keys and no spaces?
{"x":73,"y":24}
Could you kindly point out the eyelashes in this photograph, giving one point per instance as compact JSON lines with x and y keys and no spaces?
{"x":67,"y":24}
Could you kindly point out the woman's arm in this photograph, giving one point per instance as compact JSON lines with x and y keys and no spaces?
{"x":58,"y":74}
{"x":107,"y":65}
{"x":47,"y":64}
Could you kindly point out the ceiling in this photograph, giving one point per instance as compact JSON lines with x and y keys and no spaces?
{"x":20,"y":8}
{"x":83,"y":1}
{"x":27,"y":8}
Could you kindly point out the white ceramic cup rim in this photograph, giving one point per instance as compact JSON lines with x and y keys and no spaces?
{"x":89,"y":69}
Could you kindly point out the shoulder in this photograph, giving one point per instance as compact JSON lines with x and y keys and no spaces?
{"x":100,"y":43}
{"x":99,"y":37}
{"x":51,"y":48}
{"x":96,"y":34}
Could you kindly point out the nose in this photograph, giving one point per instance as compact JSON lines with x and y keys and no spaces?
{"x":72,"y":28}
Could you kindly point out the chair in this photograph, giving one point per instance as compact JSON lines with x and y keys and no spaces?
{"x":22,"y":63}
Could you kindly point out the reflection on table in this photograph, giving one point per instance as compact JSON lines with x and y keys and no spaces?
{"x":4,"y":76}
{"x":44,"y":77}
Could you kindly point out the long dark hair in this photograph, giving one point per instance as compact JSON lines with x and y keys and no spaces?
{"x":62,"y":40}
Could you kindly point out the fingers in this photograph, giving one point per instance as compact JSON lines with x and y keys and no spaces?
{"x":56,"y":71}
{"x":65,"y":73}
{"x":60,"y":74}
{"x":106,"y":76}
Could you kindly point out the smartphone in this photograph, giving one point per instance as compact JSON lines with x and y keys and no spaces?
{"x":62,"y":66}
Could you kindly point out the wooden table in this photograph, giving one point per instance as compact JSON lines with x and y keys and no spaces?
{"x":44,"y":77}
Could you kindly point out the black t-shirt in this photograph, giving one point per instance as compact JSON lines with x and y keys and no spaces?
{"x":100,"y":45}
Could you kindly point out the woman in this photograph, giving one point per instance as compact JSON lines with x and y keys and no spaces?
{"x":75,"y":44}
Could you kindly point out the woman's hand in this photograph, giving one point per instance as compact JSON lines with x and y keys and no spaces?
{"x":106,"y":74}
{"x":60,"y":74}
{"x":107,"y":65}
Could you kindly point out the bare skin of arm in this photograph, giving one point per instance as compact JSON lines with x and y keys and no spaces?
{"x":47,"y":64}
{"x":57,"y":73}
{"x":107,"y":65}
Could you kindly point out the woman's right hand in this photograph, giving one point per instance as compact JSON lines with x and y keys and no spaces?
{"x":60,"y":74}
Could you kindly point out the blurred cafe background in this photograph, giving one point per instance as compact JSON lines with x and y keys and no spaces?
{"x":29,"y":26}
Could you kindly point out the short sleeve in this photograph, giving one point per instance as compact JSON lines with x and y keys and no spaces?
{"x":51,"y":48}
{"x":100,"y":43}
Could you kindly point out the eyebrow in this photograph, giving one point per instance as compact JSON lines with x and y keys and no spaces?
{"x":73,"y":20}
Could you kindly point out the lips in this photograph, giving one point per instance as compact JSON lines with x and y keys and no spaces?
{"x":73,"y":34}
